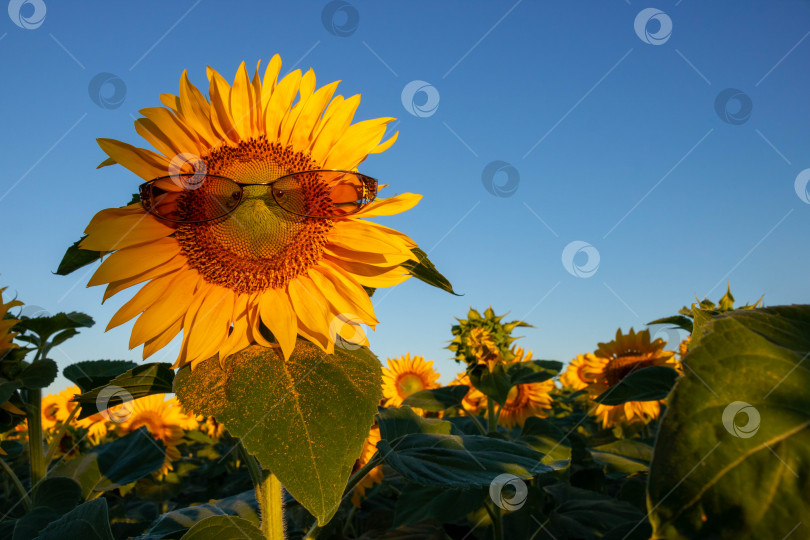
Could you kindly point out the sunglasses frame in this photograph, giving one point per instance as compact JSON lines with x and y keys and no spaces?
{"x":369,"y":193}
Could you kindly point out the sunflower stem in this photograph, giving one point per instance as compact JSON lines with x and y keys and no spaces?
{"x":62,"y":429}
{"x":254,"y":470}
{"x":269,"y":495}
{"x":35,"y":443}
{"x":492,"y":420}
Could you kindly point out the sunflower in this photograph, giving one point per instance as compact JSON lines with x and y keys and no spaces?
{"x":474,"y":401}
{"x":211,"y":427}
{"x":573,"y":376}
{"x":405,"y":376}
{"x":6,"y":324}
{"x":525,"y":400}
{"x":165,"y":420}
{"x":220,"y":281}
{"x":375,"y":476}
{"x":483,"y":346}
{"x":683,"y":347}
{"x":613,"y":361}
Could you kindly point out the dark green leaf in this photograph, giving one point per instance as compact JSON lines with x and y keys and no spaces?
{"x":305,"y":418}
{"x":30,"y":525}
{"x":114,"y":464}
{"x":45,"y":327}
{"x":646,"y":384}
{"x":400,"y":421}
{"x":438,"y":399}
{"x":624,"y":456}
{"x":533,"y":371}
{"x":732,"y":457}
{"x":94,"y":373}
{"x":7,"y":389}
{"x":582,"y":513}
{"x":494,"y":384}
{"x":422,"y":269}
{"x":445,"y":504}
{"x":680,"y":321}
{"x":39,"y":374}
{"x":63,"y":336}
{"x":243,"y":505}
{"x":57,"y":493}
{"x":547,"y":438}
{"x":458,"y":461}
{"x":76,"y":258}
{"x":222,"y":527}
{"x":137,"y":382}
{"x":87,"y":521}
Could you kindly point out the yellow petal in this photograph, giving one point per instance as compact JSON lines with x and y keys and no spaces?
{"x":311,"y":308}
{"x":171,"y":101}
{"x":165,"y":310}
{"x":175,"y":263}
{"x":210,"y":324}
{"x":131,"y":261}
{"x":278,"y":316}
{"x":218,"y":91}
{"x":269,"y":81}
{"x":345,"y":300}
{"x":161,"y":340}
{"x":242,"y":103}
{"x":144,"y":298}
{"x":311,"y":111}
{"x":334,"y":124}
{"x":144,"y":163}
{"x":369,"y":275}
{"x":279,"y":105}
{"x":117,"y":228}
{"x":389,"y":206}
{"x":368,"y":236}
{"x":196,"y":111}
{"x":356,"y":143}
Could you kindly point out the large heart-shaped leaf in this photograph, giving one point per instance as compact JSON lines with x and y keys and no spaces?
{"x":305,"y":419}
{"x":88,"y":521}
{"x":732,"y":458}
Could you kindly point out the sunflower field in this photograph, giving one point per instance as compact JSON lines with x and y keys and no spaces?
{"x":249,"y":241}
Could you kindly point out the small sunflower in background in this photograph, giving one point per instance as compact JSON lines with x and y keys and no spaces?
{"x":526,"y":400}
{"x":573,"y":376}
{"x":251,"y":215}
{"x":483,"y":339}
{"x":474,"y":400}
{"x":613,"y":361}
{"x":211,"y":427}
{"x":405,"y":376}
{"x":165,"y":420}
{"x":375,"y":476}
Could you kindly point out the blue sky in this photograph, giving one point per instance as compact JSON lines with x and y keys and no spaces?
{"x":609,"y":129}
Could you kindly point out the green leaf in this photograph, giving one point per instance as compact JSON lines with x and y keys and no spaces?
{"x":646,"y":384}
{"x":141,"y":381}
{"x":422,"y":269}
{"x":624,"y":456}
{"x":87,"y":521}
{"x":114,"y":464}
{"x":446,"y":505}
{"x":732,"y":454}
{"x":222,"y":527}
{"x":494,"y":384}
{"x":438,"y":399}
{"x":94,"y":373}
{"x":39,"y":374}
{"x":547,"y":438}
{"x":458,"y":461}
{"x":243,"y":505}
{"x":7,"y":389}
{"x":305,"y":419}
{"x":75,"y":258}
{"x":582,"y":513}
{"x":533,"y":371}
{"x":400,"y":421}
{"x":679,"y":321}
{"x":57,"y":493}
{"x":45,"y":327}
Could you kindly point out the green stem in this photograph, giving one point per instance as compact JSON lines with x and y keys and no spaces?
{"x":478,"y":424}
{"x":492,"y":420}
{"x":253,"y":467}
{"x":58,"y":439}
{"x":270,"y":503}
{"x":497,"y":526}
{"x":375,"y":461}
{"x":35,"y":443}
{"x":17,"y":484}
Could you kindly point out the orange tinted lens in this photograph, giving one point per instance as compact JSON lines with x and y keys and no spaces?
{"x":328,"y":193}
{"x":191,"y":198}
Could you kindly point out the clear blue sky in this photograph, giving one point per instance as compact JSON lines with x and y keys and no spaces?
{"x":615,"y":142}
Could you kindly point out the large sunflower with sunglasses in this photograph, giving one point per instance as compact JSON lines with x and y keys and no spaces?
{"x":251,"y":215}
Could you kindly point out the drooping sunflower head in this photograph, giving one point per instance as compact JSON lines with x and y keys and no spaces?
{"x":258,"y":264}
{"x":407,"y":375}
{"x":525,"y":400}
{"x":483,"y":339}
{"x":6,"y":324}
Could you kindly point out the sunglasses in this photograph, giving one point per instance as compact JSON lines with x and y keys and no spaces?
{"x":197,"y":198}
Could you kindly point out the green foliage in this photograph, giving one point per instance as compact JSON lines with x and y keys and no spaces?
{"x":685,"y":319}
{"x":651,"y":383}
{"x":95,"y":373}
{"x":500,"y":333}
{"x":308,"y":436}
{"x":739,"y":416}
{"x":497,"y":382}
{"x":422,"y":269}
{"x":438,"y":399}
{"x":141,"y":381}
{"x":88,"y":521}
{"x":76,"y":257}
{"x":243,"y":506}
{"x":221,"y":527}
